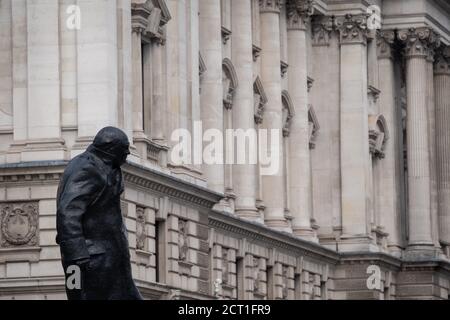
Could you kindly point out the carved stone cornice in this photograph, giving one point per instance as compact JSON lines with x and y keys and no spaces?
{"x":322,"y":26}
{"x":298,"y":13}
{"x":385,"y":41}
{"x":442,"y":61}
{"x":140,"y":12}
{"x":419,"y":42}
{"x":352,"y":29}
{"x":273,"y":6}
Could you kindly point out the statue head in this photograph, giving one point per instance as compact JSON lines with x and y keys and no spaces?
{"x":113,"y":144}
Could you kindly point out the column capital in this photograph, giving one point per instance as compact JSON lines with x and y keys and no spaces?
{"x":385,"y":41}
{"x":352,"y":28}
{"x":140,"y":12}
{"x":273,"y":6}
{"x":419,"y":42}
{"x":322,"y":26}
{"x":442,"y":61}
{"x":298,"y":13}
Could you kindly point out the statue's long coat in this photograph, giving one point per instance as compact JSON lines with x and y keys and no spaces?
{"x":90,"y":226}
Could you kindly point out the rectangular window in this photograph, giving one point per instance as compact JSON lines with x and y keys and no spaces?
{"x":240,"y":278}
{"x":270,"y":283}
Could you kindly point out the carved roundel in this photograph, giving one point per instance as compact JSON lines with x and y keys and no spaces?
{"x":19,"y":224}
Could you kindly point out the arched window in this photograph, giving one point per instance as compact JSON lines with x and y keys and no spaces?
{"x":288,"y":114}
{"x":378,"y":135}
{"x":313,"y":126}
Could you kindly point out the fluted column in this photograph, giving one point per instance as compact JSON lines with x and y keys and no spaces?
{"x":355,"y":159}
{"x":419,"y":186}
{"x":298,"y":12}
{"x":244,"y":175}
{"x":211,"y":98}
{"x":432,"y":145}
{"x":391,"y":170}
{"x":273,"y":185}
{"x":442,"y":99}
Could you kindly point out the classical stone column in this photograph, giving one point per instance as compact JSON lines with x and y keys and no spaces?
{"x":298,"y":12}
{"x":391,"y":171}
{"x":432,"y":144}
{"x":273,"y":185}
{"x":244,"y":175}
{"x":417,"y":42}
{"x":354,"y":140}
{"x":442,"y":99}
{"x":211,"y":98}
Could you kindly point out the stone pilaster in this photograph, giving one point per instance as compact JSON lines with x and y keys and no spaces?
{"x":97,"y":70}
{"x":300,"y":205}
{"x":417,"y":43}
{"x":36,"y":81}
{"x":211,"y":98}
{"x":391,"y":170}
{"x":355,"y":155}
{"x":272,"y":185}
{"x":244,"y":175}
{"x":442,"y":99}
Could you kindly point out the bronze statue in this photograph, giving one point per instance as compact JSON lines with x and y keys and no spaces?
{"x":90,"y":229}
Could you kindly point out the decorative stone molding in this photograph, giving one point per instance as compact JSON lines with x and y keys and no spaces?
{"x":226,"y":34}
{"x":284,"y":282}
{"x":378,"y":135}
{"x":273,"y":6}
{"x":201,"y":65}
{"x":288,"y":112}
{"x":141,"y":234}
{"x":322,"y":26}
{"x":352,"y":29}
{"x":225,"y":269}
{"x":419,"y":42}
{"x":442,"y":61}
{"x":140,"y":13}
{"x":385,"y":41}
{"x":149,"y":18}
{"x":373,"y":93}
{"x":313,"y":127}
{"x":283,"y":68}
{"x":260,"y":100}
{"x":229,"y":82}
{"x":19,"y":224}
{"x":182,"y":240}
{"x":309,"y":83}
{"x":298,"y":13}
{"x":256,"y":52}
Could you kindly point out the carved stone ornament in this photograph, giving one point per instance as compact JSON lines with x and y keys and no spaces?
{"x":225,"y":271}
{"x":288,"y":112}
{"x":442,"y":61}
{"x":256,"y":275}
{"x":182,"y":239}
{"x":322,"y":26}
{"x":141,"y":234}
{"x":270,"y":6}
{"x":260,"y":100}
{"x":285,"y":282}
{"x":352,"y":28}
{"x":19,"y":224}
{"x":298,"y":13}
{"x":385,"y":41}
{"x":378,"y":135}
{"x":419,"y":42}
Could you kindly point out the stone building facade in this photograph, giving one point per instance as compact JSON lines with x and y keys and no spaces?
{"x":360,"y":89}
